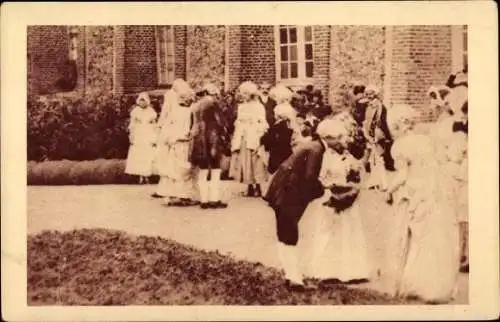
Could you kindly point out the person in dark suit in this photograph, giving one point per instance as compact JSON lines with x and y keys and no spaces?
{"x":209,"y":142}
{"x":267,"y":101}
{"x":294,"y":185}
{"x":278,"y":138}
{"x":379,"y":138}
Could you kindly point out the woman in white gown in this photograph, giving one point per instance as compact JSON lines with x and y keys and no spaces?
{"x":335,"y":240}
{"x":423,"y":250}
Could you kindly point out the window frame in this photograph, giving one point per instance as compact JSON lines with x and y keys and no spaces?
{"x":81,"y":74}
{"x":302,"y":79}
{"x":167,"y":77}
{"x":458,"y":52}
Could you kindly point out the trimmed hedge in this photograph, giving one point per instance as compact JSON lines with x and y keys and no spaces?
{"x":67,"y":172}
{"x":88,"y":128}
{"x":100,"y":171}
{"x":79,"y":128}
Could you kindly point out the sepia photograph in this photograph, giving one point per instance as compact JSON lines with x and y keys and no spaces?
{"x":307,"y":164}
{"x":247,"y":164}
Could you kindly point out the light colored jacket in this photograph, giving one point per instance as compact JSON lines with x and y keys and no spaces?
{"x":250,"y":124}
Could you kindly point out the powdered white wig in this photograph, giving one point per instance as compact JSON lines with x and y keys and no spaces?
{"x":178,"y":84}
{"x":285,"y":111}
{"x":248,"y":88}
{"x":211,"y":89}
{"x":281,"y":94}
{"x":333,"y":128}
{"x":185,"y":93}
{"x":372,"y":89}
{"x":143,"y":96}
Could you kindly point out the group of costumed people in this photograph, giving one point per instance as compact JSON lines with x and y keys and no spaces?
{"x":316,"y":163}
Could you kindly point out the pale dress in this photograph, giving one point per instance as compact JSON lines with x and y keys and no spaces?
{"x":248,"y":160}
{"x":176,"y":172}
{"x":423,"y":248}
{"x":334,"y":244}
{"x":142,"y":130}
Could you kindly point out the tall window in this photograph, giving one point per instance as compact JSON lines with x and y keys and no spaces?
{"x":459,"y":47}
{"x":165,"y":54}
{"x":294,"y":53}
{"x":464,"y":46}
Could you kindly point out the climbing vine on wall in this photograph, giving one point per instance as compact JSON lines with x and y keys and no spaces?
{"x":100,"y":58}
{"x":205,"y":54}
{"x":357,"y":54}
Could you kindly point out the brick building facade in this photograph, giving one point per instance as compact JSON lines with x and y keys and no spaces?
{"x":404,"y":61}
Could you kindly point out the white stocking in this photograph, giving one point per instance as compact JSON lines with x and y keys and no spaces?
{"x":203,"y":185}
{"x":214,"y":185}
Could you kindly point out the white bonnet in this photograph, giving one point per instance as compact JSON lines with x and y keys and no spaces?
{"x":143,"y":96}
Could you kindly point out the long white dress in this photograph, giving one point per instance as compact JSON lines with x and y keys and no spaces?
{"x":142,"y":129}
{"x":423,"y":250}
{"x":334,"y":244}
{"x":173,"y":166}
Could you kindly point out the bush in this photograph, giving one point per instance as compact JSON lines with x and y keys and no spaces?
{"x":77,"y":268}
{"x":89,"y":128}
{"x":79,"y":129}
{"x":65,"y":172}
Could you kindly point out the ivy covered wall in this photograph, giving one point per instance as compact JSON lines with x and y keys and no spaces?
{"x":357,"y":54}
{"x":205,"y":54}
{"x":99,"y":69}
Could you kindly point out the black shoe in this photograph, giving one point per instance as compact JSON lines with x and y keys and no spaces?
{"x":218,"y":205}
{"x":258,"y":191}
{"x":464,"y":268}
{"x":250,"y":191}
{"x":205,"y":205}
{"x":182,"y":202}
{"x":155,"y":195}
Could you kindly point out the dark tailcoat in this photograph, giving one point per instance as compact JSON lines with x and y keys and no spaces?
{"x":209,"y":134}
{"x":269,"y":105}
{"x":386,"y":141}
{"x":294,"y":185}
{"x":278,"y":142}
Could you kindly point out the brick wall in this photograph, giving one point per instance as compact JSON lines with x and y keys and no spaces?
{"x":180,"y":33}
{"x":421,"y":58}
{"x":47,"y":51}
{"x":357,"y":54}
{"x":321,"y":54}
{"x":234,"y":57}
{"x":140,"y":69}
{"x":258,"y":54}
{"x":119,"y":59}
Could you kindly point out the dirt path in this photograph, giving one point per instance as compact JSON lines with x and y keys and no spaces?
{"x":245,"y":229}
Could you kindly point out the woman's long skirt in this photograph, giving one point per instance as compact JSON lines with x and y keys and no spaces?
{"x":140,"y":159}
{"x":247,"y":166}
{"x":334,"y":243}
{"x":423,"y":253}
{"x":177,"y":176}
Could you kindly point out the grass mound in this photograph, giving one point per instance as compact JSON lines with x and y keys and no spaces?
{"x":103,"y":267}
